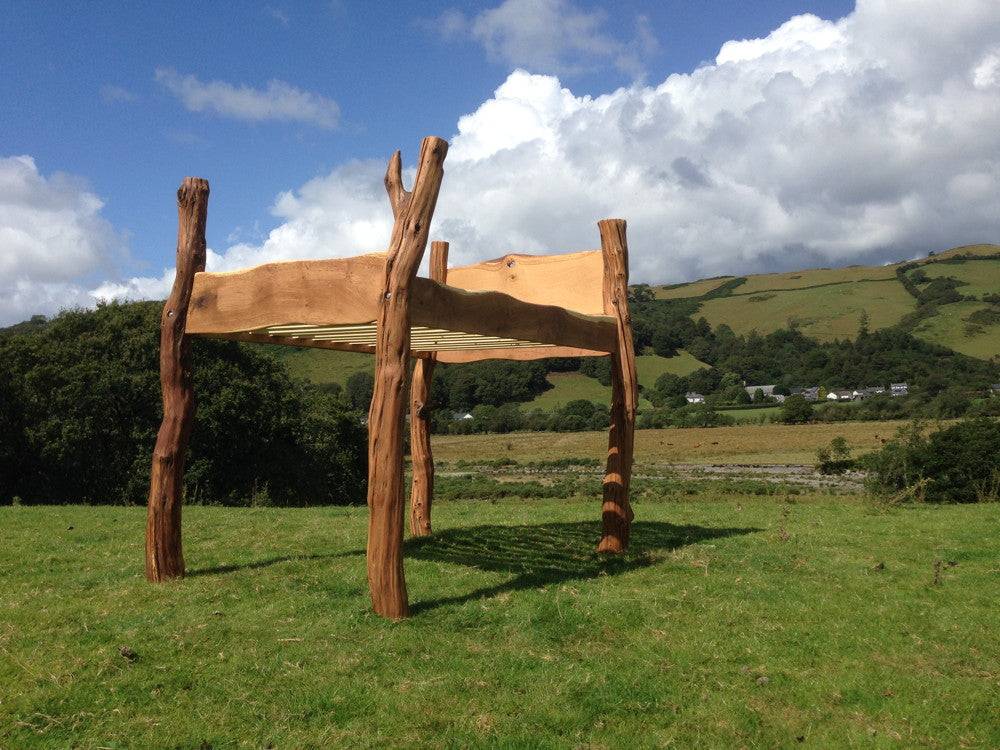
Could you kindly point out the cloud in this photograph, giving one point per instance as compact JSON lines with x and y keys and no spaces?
{"x":279,"y":101}
{"x":278,"y":14}
{"x":869,"y":139}
{"x":52,"y":239}
{"x":551,"y":36}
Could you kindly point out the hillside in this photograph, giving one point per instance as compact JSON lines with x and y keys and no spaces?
{"x":827,"y":303}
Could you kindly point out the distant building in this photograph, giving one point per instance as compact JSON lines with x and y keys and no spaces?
{"x":899,"y":389}
{"x":458,"y":415}
{"x":694,"y":398}
{"x":860,"y":394}
{"x":767,"y":390}
{"x":840,"y":395}
{"x":995,"y":389}
{"x":809,"y":394}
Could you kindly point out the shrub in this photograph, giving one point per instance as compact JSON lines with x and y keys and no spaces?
{"x":81,"y":400}
{"x":958,"y":464}
{"x":796,"y":410}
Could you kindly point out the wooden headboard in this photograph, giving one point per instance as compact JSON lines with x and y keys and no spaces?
{"x":572,"y":280}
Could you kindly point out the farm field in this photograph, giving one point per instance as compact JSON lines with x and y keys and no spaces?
{"x":813,"y":277}
{"x":825,"y":313}
{"x":751,"y":444}
{"x":691,"y":289}
{"x":980,"y":276}
{"x":322,"y":366}
{"x":733,"y":621}
{"x":948,"y":328}
{"x":570,"y":386}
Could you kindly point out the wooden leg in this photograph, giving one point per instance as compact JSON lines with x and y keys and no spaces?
{"x":616,"y":512}
{"x":421,"y":456}
{"x":413,"y":213}
{"x":164,"y":554}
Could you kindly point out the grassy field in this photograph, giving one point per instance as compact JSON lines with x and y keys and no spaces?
{"x":980,"y":276}
{"x":734,"y":621}
{"x":813,"y":277}
{"x":743,"y":416}
{"x":570,"y":386}
{"x":693,"y":289}
{"x":756,"y":444}
{"x":825,"y":313}
{"x":323,"y":366}
{"x":947,"y":328}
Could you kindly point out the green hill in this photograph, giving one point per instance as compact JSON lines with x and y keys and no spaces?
{"x":827,"y":303}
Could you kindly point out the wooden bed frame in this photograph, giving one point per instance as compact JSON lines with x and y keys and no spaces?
{"x":518,"y":307}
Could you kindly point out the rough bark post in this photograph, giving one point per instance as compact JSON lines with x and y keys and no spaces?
{"x":616,"y":515}
{"x":421,"y":457}
{"x":164,"y":556}
{"x":413,"y":212}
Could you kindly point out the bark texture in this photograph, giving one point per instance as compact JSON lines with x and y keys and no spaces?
{"x":617,"y":515}
{"x":421,"y":457}
{"x":412,"y":212}
{"x":164,"y":555}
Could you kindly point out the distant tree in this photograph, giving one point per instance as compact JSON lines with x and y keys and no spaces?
{"x":796,"y":410}
{"x":359,"y":389}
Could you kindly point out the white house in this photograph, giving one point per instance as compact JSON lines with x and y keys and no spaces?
{"x":694,"y":398}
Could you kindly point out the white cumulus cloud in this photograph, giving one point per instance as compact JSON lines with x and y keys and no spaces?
{"x":867,"y":139}
{"x":279,"y":101}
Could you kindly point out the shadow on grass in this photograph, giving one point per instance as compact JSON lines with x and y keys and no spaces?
{"x":233,"y":567}
{"x":549,"y":553}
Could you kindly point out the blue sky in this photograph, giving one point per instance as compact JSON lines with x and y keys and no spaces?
{"x":129,"y":98}
{"x":80,"y":93}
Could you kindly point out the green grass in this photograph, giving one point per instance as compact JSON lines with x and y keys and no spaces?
{"x":692,"y":289}
{"x":981,"y":276}
{"x":322,"y":366}
{"x":743,"y":416}
{"x":825,"y":313}
{"x":570,"y":386}
{"x":813,"y":277}
{"x":735,"y":621}
{"x":947,"y":328}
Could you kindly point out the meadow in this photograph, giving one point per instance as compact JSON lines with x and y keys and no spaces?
{"x":824,"y":312}
{"x":743,"y":444}
{"x":733,"y":621}
{"x":950,"y":328}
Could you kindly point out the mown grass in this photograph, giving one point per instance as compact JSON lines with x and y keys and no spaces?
{"x":322,"y":366}
{"x":734,"y":622}
{"x":948,"y":328}
{"x":751,"y":444}
{"x":824,"y":313}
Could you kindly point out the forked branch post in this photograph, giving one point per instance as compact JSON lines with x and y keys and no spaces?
{"x":413,"y":212}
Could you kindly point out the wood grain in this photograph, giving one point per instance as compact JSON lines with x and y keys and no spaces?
{"x":332,"y":291}
{"x":570,"y":280}
{"x":164,"y":553}
{"x":413,"y":212}
{"x":520,"y":354}
{"x":421,"y":456}
{"x":616,"y":511}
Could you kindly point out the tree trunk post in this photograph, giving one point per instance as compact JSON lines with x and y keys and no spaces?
{"x":164,"y":556}
{"x":421,"y":456}
{"x":413,"y":212}
{"x":616,"y":512}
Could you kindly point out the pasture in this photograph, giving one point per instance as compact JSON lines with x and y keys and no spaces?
{"x":950,"y":328}
{"x":733,"y":621}
{"x":824,"y":313}
{"x":744,"y":444}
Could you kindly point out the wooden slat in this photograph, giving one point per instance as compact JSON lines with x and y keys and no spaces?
{"x":526,"y":353}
